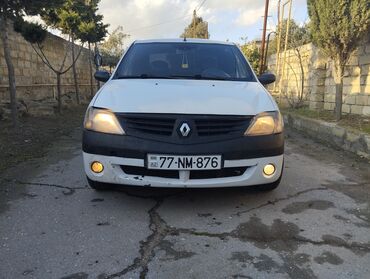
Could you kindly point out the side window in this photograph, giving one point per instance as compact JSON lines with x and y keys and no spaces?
{"x":228,"y":62}
{"x":241,"y":65}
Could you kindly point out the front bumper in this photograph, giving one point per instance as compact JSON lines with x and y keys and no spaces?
{"x":113,"y":173}
{"x":246,"y":155}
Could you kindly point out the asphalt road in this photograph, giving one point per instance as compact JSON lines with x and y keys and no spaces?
{"x":315,"y":225}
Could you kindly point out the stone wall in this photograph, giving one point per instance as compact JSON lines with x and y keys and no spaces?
{"x":319,"y":85}
{"x":36,"y":83}
{"x":331,"y":133}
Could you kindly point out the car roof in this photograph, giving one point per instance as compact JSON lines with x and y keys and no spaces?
{"x":181,"y":40}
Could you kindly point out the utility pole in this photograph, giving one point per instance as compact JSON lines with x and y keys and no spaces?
{"x":193,"y":27}
{"x":286,"y":44}
{"x":280,"y":15}
{"x":264,"y":37}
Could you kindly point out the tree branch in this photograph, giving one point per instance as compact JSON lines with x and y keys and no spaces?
{"x":43,"y":57}
{"x":73,"y":62}
{"x":65,"y":55}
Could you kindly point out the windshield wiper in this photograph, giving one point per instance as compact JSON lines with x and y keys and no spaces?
{"x":216,"y":78}
{"x":186,"y":77}
{"x":199,"y":76}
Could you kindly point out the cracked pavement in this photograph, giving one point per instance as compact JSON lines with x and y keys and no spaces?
{"x":315,"y":225}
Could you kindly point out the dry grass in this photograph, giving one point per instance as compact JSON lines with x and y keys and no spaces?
{"x":35,"y":134}
{"x":352,"y":121}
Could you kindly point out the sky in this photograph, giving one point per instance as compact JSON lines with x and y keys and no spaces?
{"x":227,"y":19}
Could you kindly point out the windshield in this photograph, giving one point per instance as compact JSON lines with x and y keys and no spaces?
{"x":184,"y":61}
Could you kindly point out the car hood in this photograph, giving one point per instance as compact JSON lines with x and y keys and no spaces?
{"x":184,"y":96}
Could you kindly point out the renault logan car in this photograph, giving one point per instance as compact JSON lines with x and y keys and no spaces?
{"x":183,"y":113}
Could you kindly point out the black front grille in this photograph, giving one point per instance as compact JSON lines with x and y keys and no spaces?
{"x":167,"y":125}
{"x":150,"y":124}
{"x":194,"y":174}
{"x":219,"y":126}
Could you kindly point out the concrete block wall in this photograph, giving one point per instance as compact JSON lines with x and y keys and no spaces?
{"x":36,"y":83}
{"x":331,"y":133}
{"x":319,"y":81}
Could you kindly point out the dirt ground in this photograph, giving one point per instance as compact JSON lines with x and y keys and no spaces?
{"x":35,"y":134}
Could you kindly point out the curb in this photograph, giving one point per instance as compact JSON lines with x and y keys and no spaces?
{"x":330,"y":133}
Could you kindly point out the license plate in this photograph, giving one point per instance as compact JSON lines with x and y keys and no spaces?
{"x":174,"y":162}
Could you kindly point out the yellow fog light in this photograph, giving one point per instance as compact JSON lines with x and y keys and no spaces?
{"x":97,"y":167}
{"x":269,"y":169}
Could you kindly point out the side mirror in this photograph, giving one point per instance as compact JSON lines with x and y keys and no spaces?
{"x":267,"y":78}
{"x":102,"y":76}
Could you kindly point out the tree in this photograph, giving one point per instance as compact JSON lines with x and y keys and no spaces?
{"x":337,"y":27}
{"x":298,"y":36}
{"x":251,"y":51}
{"x":92,"y":30}
{"x":68,"y":19}
{"x":196,"y":29}
{"x":112,"y":48}
{"x":11,"y":10}
{"x":35,"y":34}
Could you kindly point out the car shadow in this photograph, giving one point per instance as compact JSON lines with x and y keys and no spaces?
{"x":162,"y":192}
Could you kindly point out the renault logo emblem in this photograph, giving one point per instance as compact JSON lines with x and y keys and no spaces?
{"x":184,"y":129}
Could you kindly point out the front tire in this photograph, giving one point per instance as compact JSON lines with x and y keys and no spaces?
{"x":98,"y":186}
{"x":269,"y":186}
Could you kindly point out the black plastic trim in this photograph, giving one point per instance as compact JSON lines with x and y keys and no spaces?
{"x":235,"y":127}
{"x":244,"y":147}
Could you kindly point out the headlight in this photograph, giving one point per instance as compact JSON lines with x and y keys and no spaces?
{"x":265,"y":123}
{"x":102,"y":120}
